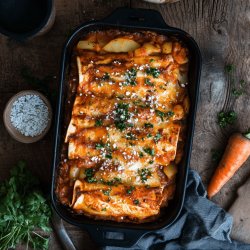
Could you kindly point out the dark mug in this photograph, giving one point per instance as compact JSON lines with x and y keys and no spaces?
{"x":23,"y":19}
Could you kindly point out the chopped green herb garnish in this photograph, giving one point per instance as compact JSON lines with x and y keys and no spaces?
{"x":148,"y":82}
{"x":121,"y":125}
{"x":226,"y":118}
{"x":141,"y":154}
{"x":144,"y":174}
{"x":149,"y":151}
{"x":130,"y":190}
{"x":106,"y":192}
{"x":240,"y":90}
{"x":98,"y":123}
{"x":136,"y":202}
{"x":160,"y":114}
{"x":89,"y":172}
{"x":121,"y":115}
{"x":99,"y":145}
{"x":163,"y":115}
{"x":130,"y":136}
{"x":237,"y":92}
{"x":104,"y":209}
{"x":115,"y":181}
{"x":151,"y":60}
{"x":170,"y":114}
{"x":141,"y":104}
{"x":149,"y":135}
{"x":106,"y":76}
{"x":108,"y":156}
{"x":157,"y":137}
{"x":130,"y":77}
{"x":151,"y":162}
{"x":153,"y":71}
{"x":91,"y":180}
{"x":148,"y":125}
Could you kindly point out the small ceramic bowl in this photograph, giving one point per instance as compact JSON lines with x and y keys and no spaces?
{"x":14,"y":133}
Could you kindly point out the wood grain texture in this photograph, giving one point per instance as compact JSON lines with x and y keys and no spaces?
{"x":221,"y":29}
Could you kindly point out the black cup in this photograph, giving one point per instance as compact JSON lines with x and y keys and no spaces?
{"x":22,"y":19}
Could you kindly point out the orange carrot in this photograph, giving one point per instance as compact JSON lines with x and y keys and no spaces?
{"x":236,"y":153}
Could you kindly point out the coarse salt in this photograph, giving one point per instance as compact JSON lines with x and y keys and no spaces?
{"x":29,"y":115}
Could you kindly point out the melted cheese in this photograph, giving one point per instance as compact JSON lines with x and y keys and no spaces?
{"x":126,"y":122}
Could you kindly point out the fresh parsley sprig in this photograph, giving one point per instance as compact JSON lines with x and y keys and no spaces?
{"x":226,"y":118}
{"x":23,"y":210}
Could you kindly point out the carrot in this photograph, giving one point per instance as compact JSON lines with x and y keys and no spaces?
{"x":236,"y":153}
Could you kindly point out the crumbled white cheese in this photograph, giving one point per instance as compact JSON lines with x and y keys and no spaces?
{"x":29,"y":115}
{"x":120,"y":168}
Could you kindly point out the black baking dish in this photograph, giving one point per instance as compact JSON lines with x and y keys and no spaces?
{"x":131,"y":20}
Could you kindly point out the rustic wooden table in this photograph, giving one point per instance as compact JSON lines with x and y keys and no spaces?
{"x":221,"y":29}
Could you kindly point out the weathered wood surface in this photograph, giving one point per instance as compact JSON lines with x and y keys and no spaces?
{"x":221,"y":29}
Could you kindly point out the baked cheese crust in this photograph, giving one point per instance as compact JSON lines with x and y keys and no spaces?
{"x":126,"y":132}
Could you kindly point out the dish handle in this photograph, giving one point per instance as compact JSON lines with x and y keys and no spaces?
{"x":119,"y":237}
{"x":147,"y":18}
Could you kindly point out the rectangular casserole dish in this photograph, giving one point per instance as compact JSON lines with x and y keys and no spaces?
{"x":132,"y":20}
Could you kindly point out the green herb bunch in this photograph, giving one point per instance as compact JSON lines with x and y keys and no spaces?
{"x":23,"y":210}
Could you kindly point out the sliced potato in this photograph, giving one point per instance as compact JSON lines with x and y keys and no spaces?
{"x":86,"y":44}
{"x":147,"y":49}
{"x":179,"y":53}
{"x":167,"y":47}
{"x":74,"y":172}
{"x":178,"y":112}
{"x":170,"y":170}
{"x":121,"y":45}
